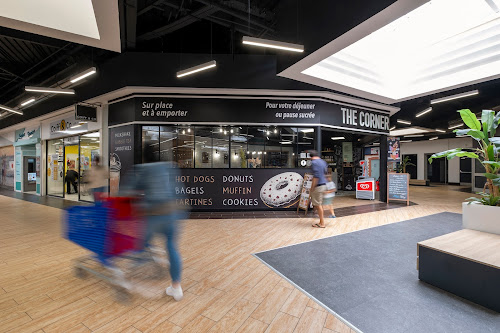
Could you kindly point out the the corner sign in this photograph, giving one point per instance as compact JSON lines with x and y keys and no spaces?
{"x":365,"y":119}
{"x":85,"y":113}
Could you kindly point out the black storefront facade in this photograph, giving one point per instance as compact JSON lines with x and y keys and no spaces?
{"x":236,"y":152}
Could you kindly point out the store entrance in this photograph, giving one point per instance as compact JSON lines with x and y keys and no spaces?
{"x":29,"y":174}
{"x":343,"y":151}
{"x":69,"y":160}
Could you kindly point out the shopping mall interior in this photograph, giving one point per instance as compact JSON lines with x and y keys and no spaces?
{"x":250,"y":166}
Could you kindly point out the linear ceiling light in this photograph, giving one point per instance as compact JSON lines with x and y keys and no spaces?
{"x":429,"y":109}
{"x":434,"y":138}
{"x":457,"y":96}
{"x":406,"y":141}
{"x":6,"y":108}
{"x":414,"y":136}
{"x":406,"y":122}
{"x":29,"y":101}
{"x":50,"y":90}
{"x":307,"y":130}
{"x":196,"y":69}
{"x":338,"y":138}
{"x":440,"y":130}
{"x":272,"y":44}
{"x":425,"y":47}
{"x":455,"y":126}
{"x":83,"y":75}
{"x":392,"y":128}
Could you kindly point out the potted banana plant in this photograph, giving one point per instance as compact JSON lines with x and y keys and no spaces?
{"x":481,"y":213}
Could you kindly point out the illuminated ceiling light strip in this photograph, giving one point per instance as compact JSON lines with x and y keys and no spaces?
{"x":84,"y":74}
{"x":414,"y":136}
{"x":286,"y":142}
{"x":50,"y":90}
{"x":272,"y":44}
{"x":6,"y":108}
{"x":197,"y":68}
{"x":29,"y":101}
{"x":404,"y":122}
{"x":338,"y":138}
{"x":493,"y":5}
{"x":455,"y":126}
{"x":440,"y":130}
{"x":406,"y":141}
{"x":392,"y":128}
{"x":457,"y":96}
{"x":429,"y":109}
{"x":307,"y":130}
{"x":434,"y":138}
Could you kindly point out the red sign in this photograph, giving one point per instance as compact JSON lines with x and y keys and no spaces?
{"x":365,"y":186}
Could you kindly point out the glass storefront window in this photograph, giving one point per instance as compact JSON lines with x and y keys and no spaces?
{"x":55,"y":167}
{"x":184,"y":151}
{"x":257,"y":137}
{"x":239,"y":139}
{"x":305,"y":143}
{"x":203,"y":147}
{"x":236,"y":147}
{"x":220,"y":147}
{"x":151,"y":136}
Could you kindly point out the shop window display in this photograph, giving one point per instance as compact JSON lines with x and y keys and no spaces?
{"x":231,"y":147}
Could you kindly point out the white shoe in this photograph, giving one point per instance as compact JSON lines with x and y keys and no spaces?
{"x":176,"y":293}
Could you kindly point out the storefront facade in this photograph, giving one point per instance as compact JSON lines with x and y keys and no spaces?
{"x":70,"y":144}
{"x":235,"y":152}
{"x":27,"y":159}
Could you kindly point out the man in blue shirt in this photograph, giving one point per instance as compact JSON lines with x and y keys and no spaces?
{"x":318,"y":187}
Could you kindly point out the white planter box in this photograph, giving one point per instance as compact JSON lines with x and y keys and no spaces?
{"x":481,"y":218}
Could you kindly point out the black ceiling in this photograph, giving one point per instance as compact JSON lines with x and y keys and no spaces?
{"x":211,"y":26}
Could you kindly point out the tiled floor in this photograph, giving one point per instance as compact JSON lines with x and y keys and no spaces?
{"x":226,"y":289}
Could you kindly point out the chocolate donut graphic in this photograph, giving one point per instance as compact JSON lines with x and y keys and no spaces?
{"x":281,"y":189}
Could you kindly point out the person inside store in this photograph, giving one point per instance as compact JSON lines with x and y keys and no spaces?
{"x":97,"y":178}
{"x":151,"y":183}
{"x":331,"y":188}
{"x":318,"y":187}
{"x":71,"y":178}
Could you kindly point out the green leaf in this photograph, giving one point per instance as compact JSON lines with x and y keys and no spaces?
{"x":470,"y":119}
{"x":496,"y":122}
{"x":492,"y":163}
{"x":478,"y":135}
{"x":491,"y":153}
{"x":467,"y":154}
{"x":487,"y":119}
{"x":444,"y":154}
{"x":473,"y":199}
{"x":496,"y":181}
{"x":491,"y":176}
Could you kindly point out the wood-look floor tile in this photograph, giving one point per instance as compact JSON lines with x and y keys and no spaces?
{"x":166,"y":326}
{"x":296,"y":303}
{"x":223,"y":304}
{"x":312,"y":321}
{"x":196,"y":307}
{"x":271,"y":305}
{"x":252,"y":326}
{"x":124,"y":321}
{"x":314,"y":305}
{"x":199,"y":324}
{"x":282,"y":322}
{"x":235,"y":317}
{"x":263,"y":288}
{"x":161,"y":313}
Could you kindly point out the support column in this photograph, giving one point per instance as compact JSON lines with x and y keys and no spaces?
{"x":317,"y":145}
{"x":383,"y":168}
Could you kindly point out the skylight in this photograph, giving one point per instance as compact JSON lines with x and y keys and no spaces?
{"x":74,"y":16}
{"x":437,"y":46}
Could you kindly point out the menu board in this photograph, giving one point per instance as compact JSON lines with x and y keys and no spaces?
{"x":398,"y":187}
{"x":305,"y":193}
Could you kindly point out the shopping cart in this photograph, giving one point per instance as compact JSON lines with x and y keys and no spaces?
{"x":111,"y":230}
